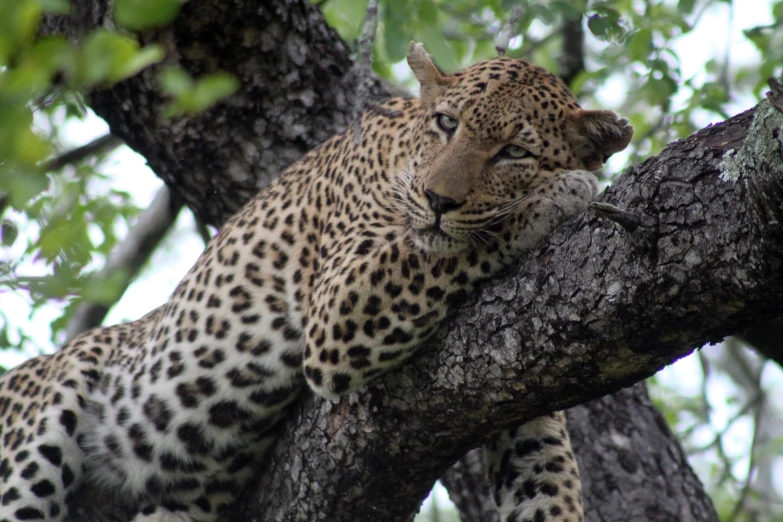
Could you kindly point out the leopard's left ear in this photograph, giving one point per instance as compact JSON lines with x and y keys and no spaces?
{"x":431,"y":79}
{"x":597,"y":135}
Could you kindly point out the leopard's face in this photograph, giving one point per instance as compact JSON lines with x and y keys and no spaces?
{"x":486,"y":138}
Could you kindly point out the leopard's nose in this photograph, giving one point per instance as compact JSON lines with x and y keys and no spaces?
{"x":441,"y":204}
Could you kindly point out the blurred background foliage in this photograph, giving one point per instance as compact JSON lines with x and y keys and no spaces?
{"x":63,"y":214}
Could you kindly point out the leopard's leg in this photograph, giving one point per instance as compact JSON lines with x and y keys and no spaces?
{"x":233,"y":472}
{"x":40,"y":460}
{"x":533,"y":473}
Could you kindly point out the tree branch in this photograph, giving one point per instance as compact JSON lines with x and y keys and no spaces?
{"x":507,"y":31}
{"x":129,"y":256}
{"x":364,"y":68}
{"x":297,"y":90}
{"x":101,"y":145}
{"x":572,"y":56}
{"x":468,"y":487}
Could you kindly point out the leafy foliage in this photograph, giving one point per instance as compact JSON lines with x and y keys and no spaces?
{"x":61,"y":220}
{"x":635,"y":44}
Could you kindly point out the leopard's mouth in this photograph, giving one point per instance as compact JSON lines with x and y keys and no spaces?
{"x":435,"y":240}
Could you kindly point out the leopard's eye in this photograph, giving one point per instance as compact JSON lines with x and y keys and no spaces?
{"x":447,"y":123}
{"x":514,"y":152}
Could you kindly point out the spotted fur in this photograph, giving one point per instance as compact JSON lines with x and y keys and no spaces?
{"x":331,"y":276}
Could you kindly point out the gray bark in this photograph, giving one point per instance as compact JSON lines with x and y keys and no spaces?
{"x":593,"y":310}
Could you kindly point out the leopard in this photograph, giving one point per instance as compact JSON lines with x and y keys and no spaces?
{"x":331,"y":276}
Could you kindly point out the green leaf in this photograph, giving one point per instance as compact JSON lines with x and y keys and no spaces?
{"x":144,"y":14}
{"x":777,"y":12}
{"x":346,"y":16}
{"x":55,"y":6}
{"x":190,"y":96}
{"x":142,"y":59}
{"x":605,"y":24}
{"x":543,"y":14}
{"x":395,"y":41}
{"x":110,"y":57}
{"x":598,"y":25}
{"x":569,"y":9}
{"x":22,"y":185}
{"x":175,"y":81}
{"x":214,"y":87}
{"x":8,"y":233}
{"x":396,"y":30}
{"x":441,"y":52}
{"x":640,"y":45}
{"x":428,"y":13}
{"x":30,"y":148}
{"x":686,"y":6}
{"x":105,"y":290}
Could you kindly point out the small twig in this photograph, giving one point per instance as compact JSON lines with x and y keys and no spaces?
{"x":507,"y":31}
{"x":100,"y":145}
{"x":363,"y":68}
{"x":572,"y":56}
{"x":775,"y":94}
{"x":750,"y":404}
{"x":628,"y":220}
{"x":753,"y":452}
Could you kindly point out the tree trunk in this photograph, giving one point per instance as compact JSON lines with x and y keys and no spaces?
{"x":593,"y":310}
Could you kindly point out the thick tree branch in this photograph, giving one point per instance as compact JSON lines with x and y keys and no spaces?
{"x":767,"y":339}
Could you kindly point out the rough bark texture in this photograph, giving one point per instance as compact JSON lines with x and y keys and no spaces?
{"x":593,"y":310}
{"x":647,"y":480}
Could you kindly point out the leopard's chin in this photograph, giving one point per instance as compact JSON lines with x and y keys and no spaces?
{"x":436,"y":241}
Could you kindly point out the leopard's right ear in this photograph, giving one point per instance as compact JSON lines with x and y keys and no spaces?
{"x":431,"y":80}
{"x":596,"y":135}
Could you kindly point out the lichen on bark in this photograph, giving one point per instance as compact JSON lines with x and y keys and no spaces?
{"x":763,"y":146}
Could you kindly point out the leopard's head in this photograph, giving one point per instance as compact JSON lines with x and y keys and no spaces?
{"x":487,"y":136}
